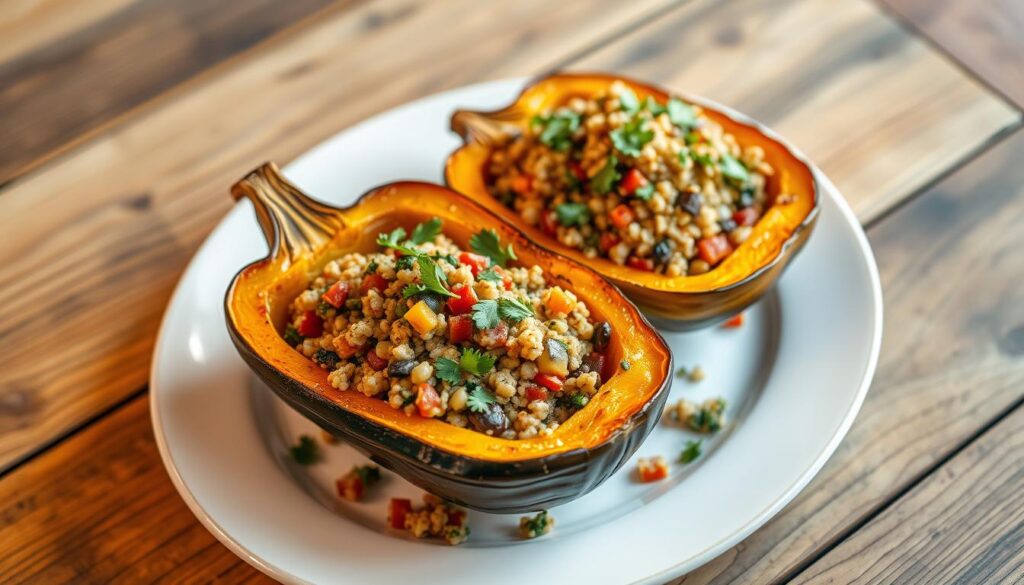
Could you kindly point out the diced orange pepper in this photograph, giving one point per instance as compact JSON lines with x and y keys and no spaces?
{"x":422,"y":319}
{"x":736,"y":321}
{"x":621,"y":216}
{"x":428,"y":402}
{"x":653,"y":469}
{"x":559,"y":302}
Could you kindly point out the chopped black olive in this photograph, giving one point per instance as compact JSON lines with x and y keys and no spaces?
{"x":329,"y":359}
{"x":602,"y":335}
{"x":690,"y":203}
{"x":401,"y":368}
{"x":662,"y":251}
{"x":433,"y":300}
{"x":492,"y":418}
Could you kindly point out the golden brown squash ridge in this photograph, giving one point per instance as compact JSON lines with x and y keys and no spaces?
{"x":462,"y":465}
{"x":680,"y":302}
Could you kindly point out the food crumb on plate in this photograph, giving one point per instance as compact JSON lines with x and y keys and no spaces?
{"x":538,"y":525}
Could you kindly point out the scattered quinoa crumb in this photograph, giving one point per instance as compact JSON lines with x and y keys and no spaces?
{"x":696,"y":374}
{"x":653,"y":469}
{"x":538,"y":525}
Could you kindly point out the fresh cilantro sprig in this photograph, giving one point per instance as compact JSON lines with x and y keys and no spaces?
{"x":691,"y":452}
{"x":485,"y":314}
{"x":447,"y":370}
{"x":572,"y":214}
{"x":476,"y":362}
{"x":644,"y":192}
{"x":490,"y":275}
{"x":514,"y":310}
{"x":733,"y":169}
{"x":478,"y":398}
{"x":681,"y":114}
{"x":433,"y":277}
{"x":556,"y":130}
{"x":306,"y":451}
{"x":628,"y":101}
{"x":631,"y":136}
{"x":487,"y":243}
{"x":426,"y":231}
{"x":602,"y":182}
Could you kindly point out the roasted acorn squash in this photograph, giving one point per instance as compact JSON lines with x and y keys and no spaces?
{"x":680,"y":302}
{"x":462,"y":465}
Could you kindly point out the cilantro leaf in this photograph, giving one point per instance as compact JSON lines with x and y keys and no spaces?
{"x":603,"y":181}
{"x":370,"y":474}
{"x":305,"y":452}
{"x":475,"y":362}
{"x":489,"y":275}
{"x":644,"y":192}
{"x":433,"y":277}
{"x":487,"y":243}
{"x":681,"y":113}
{"x":651,"y":105}
{"x":292,"y":337}
{"x":405,"y":263}
{"x":631,"y":136}
{"x":557,"y":129}
{"x":412,"y":290}
{"x":393,"y":239}
{"x":570,"y":214}
{"x":479,"y":399}
{"x":733,"y":169}
{"x":628,"y":100}
{"x":447,"y":370}
{"x":690,"y":452}
{"x":426,"y":231}
{"x":485,"y":314}
{"x":514,"y":310}
{"x":704,"y":160}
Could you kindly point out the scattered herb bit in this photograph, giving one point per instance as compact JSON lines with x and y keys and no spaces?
{"x":538,"y":525}
{"x":370,"y":474}
{"x":682,"y":372}
{"x":572,"y":181}
{"x":353,"y":304}
{"x":323,"y":308}
{"x":490,"y":275}
{"x":628,"y":100}
{"x":452,"y":260}
{"x":352,"y":486}
{"x":475,"y":362}
{"x":291,"y":336}
{"x":573,"y":214}
{"x":631,"y":137}
{"x":412,"y":290}
{"x":692,"y":138}
{"x":651,"y":105}
{"x":684,"y":155}
{"x":734,"y":169}
{"x":485,"y":314}
{"x":306,"y":451}
{"x":514,"y":310}
{"x":625,"y":364}
{"x":644,"y":192}
{"x":704,"y":160}
{"x":447,"y":370}
{"x":690,"y":452}
{"x":578,"y":400}
{"x":371,"y":267}
{"x":681,"y":114}
{"x":326,"y":358}
{"x":708,"y":418}
{"x":394,"y":240}
{"x":433,"y":277}
{"x":487,"y":243}
{"x":478,"y":399}
{"x":602,"y":182}
{"x":405,"y":263}
{"x":426,"y":231}
{"x":557,"y":129}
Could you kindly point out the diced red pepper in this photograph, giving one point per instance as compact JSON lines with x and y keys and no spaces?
{"x":745,"y":216}
{"x":621,"y":216}
{"x":522,"y":184}
{"x":373,"y":281}
{"x":713,"y":249}
{"x":577,"y":171}
{"x":463,"y":303}
{"x":549,"y":223}
{"x":460,"y":328}
{"x":427,"y":400}
{"x":536,"y":393}
{"x":398,"y":508}
{"x":640,"y":263}
{"x":454,"y":517}
{"x":376,"y":362}
{"x":608,"y":241}
{"x":351,"y":488}
{"x":735,"y":321}
{"x":633,"y":180}
{"x":494,"y":337}
{"x":549,"y":381}
{"x":345,"y":349}
{"x":476,"y":262}
{"x":311,"y":325}
{"x":336,"y":295}
{"x":596,"y":362}
{"x":653,"y":469}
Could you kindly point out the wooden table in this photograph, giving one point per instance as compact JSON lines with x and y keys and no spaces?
{"x":122,"y":123}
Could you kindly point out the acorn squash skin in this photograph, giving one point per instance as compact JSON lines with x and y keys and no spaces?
{"x":676,"y":303}
{"x":461,"y":465}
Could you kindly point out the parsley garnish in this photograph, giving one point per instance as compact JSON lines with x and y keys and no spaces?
{"x":487,"y":243}
{"x":651,"y":105}
{"x":426,"y":231}
{"x":447,"y":370}
{"x":476,"y":362}
{"x":733,"y":169}
{"x":394,"y":240}
{"x":478,"y":398}
{"x":628,"y":100}
{"x":489,"y":275}
{"x":485,"y":314}
{"x":405,"y":263}
{"x":681,"y":114}
{"x":690,"y":452}
{"x":433,"y":277}
{"x":631,"y":137}
{"x":570,"y":214}
{"x":704,"y":160}
{"x":305,"y":452}
{"x":514,"y":310}
{"x":371,"y":267}
{"x":625,"y":364}
{"x":291,"y":336}
{"x":602,"y":182}
{"x":644,"y":192}
{"x":557,"y":129}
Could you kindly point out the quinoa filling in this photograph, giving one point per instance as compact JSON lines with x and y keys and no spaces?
{"x":465,"y":336}
{"x":654,"y":186}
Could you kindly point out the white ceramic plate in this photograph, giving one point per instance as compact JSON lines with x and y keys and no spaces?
{"x":794,"y":377}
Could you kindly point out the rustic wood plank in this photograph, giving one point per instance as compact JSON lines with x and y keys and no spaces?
{"x":963,"y":524}
{"x":67,"y":67}
{"x":101,"y":509}
{"x":101,"y":235}
{"x":951,"y":362}
{"x":875,"y":107}
{"x":984,"y":35}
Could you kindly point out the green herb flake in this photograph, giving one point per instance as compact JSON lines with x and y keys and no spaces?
{"x":487,"y":243}
{"x":682,"y":114}
{"x":557,"y":129}
{"x":405,"y":263}
{"x":578,"y":400}
{"x":572,"y":214}
{"x":476,"y":362}
{"x":426,"y":231}
{"x":447,"y":370}
{"x":651,"y":105}
{"x":625,"y":364}
{"x":682,"y":372}
{"x":631,"y":137}
{"x":433,"y":277}
{"x":644,"y":192}
{"x":371,"y":267}
{"x":628,"y":101}
{"x":306,"y":451}
{"x":538,"y":525}
{"x":489,"y":275}
{"x":691,"y":452}
{"x":605,"y":179}
{"x":485,"y":314}
{"x":733,"y":169}
{"x":478,"y":398}
{"x":514,"y":310}
{"x":292,"y":337}
{"x":369,"y":474}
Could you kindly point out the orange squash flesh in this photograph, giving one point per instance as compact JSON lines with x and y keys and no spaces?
{"x":677,"y":301}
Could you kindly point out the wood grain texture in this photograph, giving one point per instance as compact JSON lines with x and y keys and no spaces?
{"x":69,"y":67}
{"x":97,"y":239}
{"x":876,"y":108}
{"x":101,"y":509}
{"x":963,"y":524}
{"x":951,"y":362}
{"x":984,"y":35}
